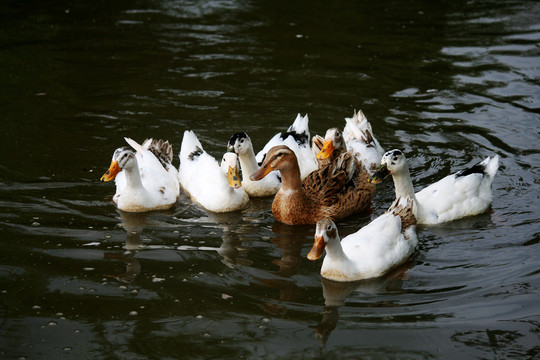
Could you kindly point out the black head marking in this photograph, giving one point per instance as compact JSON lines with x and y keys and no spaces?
{"x":236,"y":137}
{"x":119,"y":150}
{"x":393,"y":154}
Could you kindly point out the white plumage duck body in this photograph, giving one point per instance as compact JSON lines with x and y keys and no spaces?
{"x":357,"y":137}
{"x":297,"y":138}
{"x":379,"y":247}
{"x":215,"y":187}
{"x":465,"y":193}
{"x":360,"y":140}
{"x":146,"y":179}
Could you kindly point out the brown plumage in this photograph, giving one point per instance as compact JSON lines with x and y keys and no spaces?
{"x":334,"y":191}
{"x":162,"y":150}
{"x":404,"y":211}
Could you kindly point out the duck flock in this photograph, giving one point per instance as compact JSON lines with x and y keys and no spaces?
{"x":313,"y":181}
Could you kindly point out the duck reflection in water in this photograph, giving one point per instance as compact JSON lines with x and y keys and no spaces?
{"x":231,"y":252}
{"x":290,"y":239}
{"x":336,"y":292}
{"x":134,"y":224}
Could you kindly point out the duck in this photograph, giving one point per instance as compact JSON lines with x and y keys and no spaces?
{"x":240,"y":143}
{"x":357,"y":137}
{"x":328,"y":148}
{"x":215,"y":187}
{"x":360,"y":139}
{"x":465,"y":193}
{"x":382,"y":245}
{"x":145,"y":179}
{"x":335,"y":191}
{"x":297,"y":138}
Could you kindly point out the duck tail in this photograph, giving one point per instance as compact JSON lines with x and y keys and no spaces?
{"x":488,"y":167}
{"x":358,"y":127}
{"x":135,"y":145}
{"x":190,"y":143}
{"x":491,"y":165}
{"x":300,"y":125}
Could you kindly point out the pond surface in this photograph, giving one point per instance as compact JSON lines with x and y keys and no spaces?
{"x":449,"y":83}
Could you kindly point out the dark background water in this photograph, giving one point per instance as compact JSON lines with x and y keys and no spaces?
{"x":449,"y":83}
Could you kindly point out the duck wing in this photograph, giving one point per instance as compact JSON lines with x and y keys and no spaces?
{"x":329,"y":183}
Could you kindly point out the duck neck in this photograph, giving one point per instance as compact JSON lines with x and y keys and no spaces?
{"x":133,"y":177}
{"x":403,"y":184}
{"x":290,"y":179}
{"x":334,"y":250}
{"x":248,"y":163}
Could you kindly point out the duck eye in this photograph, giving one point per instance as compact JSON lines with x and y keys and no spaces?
{"x":241,"y":141}
{"x":329,"y":227}
{"x":395,"y":158}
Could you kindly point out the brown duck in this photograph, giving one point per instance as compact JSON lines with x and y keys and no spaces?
{"x":335,"y":191}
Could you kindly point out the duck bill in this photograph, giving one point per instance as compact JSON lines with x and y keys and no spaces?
{"x":111,"y":173}
{"x":317,"y":249}
{"x":379,"y":175}
{"x":327,"y":150}
{"x":264,"y":170}
{"x":234,"y":178}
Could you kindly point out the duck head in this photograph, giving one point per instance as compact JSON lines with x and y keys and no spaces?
{"x":325,"y":231}
{"x":278,"y":158}
{"x":239,"y":143}
{"x":393,"y":161}
{"x":229,"y":165}
{"x":333,"y":140}
{"x":122,"y":158}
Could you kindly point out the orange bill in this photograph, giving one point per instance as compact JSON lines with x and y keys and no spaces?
{"x":261,"y":173}
{"x":234,"y":177}
{"x":327,"y":150}
{"x":317,"y":249}
{"x":111,"y":173}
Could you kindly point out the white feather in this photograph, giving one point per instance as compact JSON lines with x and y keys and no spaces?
{"x":204,"y":180}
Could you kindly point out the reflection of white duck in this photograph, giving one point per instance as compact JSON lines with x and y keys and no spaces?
{"x":357,"y":137}
{"x":335,"y":293}
{"x":216,"y":188}
{"x":385,"y":243}
{"x":145,"y":180}
{"x":241,"y":144}
{"x":297,"y":138}
{"x":465,"y":193}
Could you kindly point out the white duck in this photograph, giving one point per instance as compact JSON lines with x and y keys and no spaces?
{"x":145,"y":180}
{"x":379,"y":247}
{"x":216,"y":188}
{"x":241,"y":144}
{"x":360,"y":140}
{"x":297,"y":138}
{"x":357,"y":137}
{"x":465,"y":193}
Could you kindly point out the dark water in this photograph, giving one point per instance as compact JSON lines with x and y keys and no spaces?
{"x":447,"y":82}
